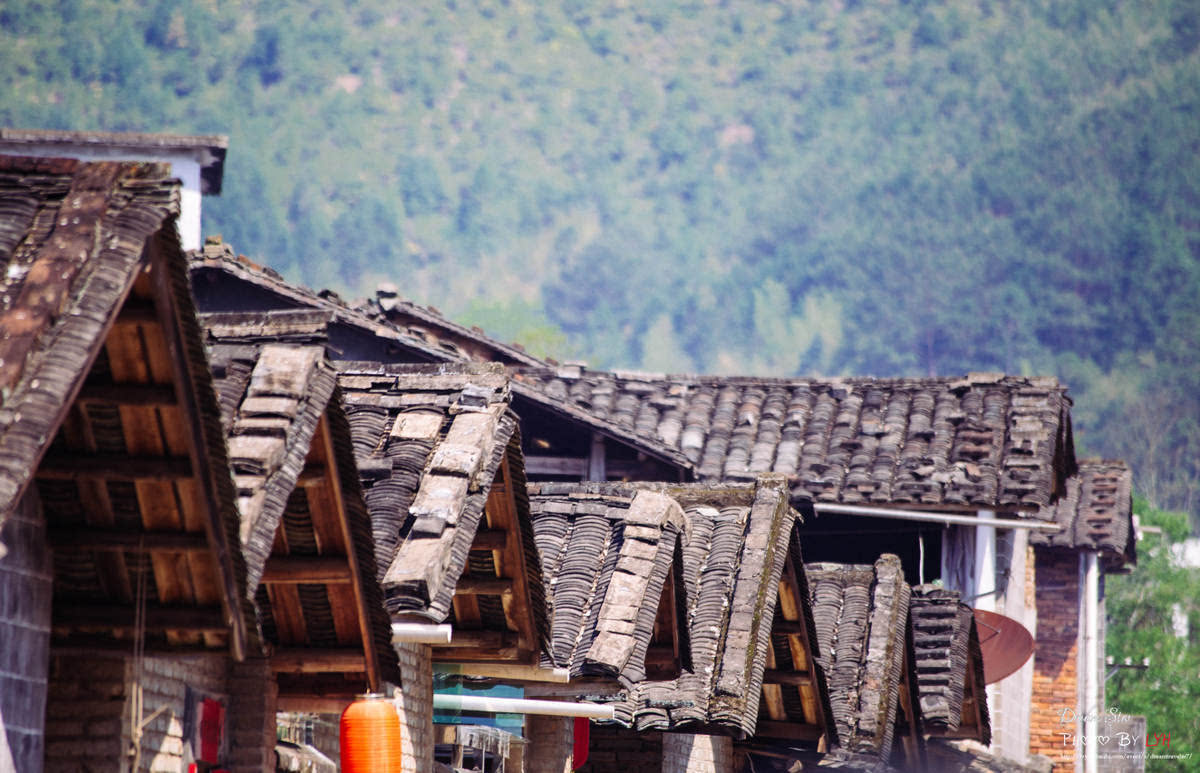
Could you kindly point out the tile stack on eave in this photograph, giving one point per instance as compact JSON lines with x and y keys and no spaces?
{"x":735,"y":544}
{"x":984,"y":441}
{"x":943,"y":635}
{"x":1095,"y":513}
{"x":72,"y":237}
{"x":861,"y":614}
{"x":607,"y":556}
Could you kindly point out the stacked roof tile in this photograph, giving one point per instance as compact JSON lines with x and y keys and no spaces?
{"x":986,"y":440}
{"x":861,"y":614}
{"x":429,"y":441}
{"x":949,"y":663}
{"x":1095,"y":513}
{"x":734,"y":544}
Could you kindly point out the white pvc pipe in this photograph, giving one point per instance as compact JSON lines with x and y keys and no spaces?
{"x":420,"y":633}
{"x":521,"y":706}
{"x":1091,"y":658}
{"x":918,"y":515}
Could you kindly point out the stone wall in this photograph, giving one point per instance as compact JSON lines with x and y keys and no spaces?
{"x":1056,"y":657}
{"x":414,"y":703}
{"x":25,"y":591}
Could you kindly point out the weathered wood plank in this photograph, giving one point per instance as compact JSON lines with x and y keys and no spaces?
{"x":158,"y":617}
{"x":317,"y":661}
{"x":306,"y":569}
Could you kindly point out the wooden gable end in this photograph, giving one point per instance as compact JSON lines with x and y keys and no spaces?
{"x":135,"y":485}
{"x":795,"y":698}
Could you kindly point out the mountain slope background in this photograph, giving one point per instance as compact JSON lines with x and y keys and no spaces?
{"x":912,"y":188}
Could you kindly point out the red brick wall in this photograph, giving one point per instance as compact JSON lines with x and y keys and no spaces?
{"x":1056,"y":657}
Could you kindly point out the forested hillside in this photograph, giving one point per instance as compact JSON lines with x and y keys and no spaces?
{"x":769,"y":187}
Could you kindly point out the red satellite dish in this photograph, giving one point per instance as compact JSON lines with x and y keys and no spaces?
{"x":1005,"y":644}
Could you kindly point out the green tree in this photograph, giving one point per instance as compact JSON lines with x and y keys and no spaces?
{"x":1142,"y":608}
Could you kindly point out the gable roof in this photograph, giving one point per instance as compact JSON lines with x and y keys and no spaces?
{"x":96,"y":289}
{"x":861,"y":614}
{"x":207,"y":150}
{"x":437,"y":449}
{"x":282,"y":413}
{"x":735,"y":543}
{"x":949,"y":665}
{"x":386,"y":329}
{"x":1095,"y":513}
{"x":983,"y":441}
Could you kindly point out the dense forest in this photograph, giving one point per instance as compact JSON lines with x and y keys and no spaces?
{"x":731,"y":186}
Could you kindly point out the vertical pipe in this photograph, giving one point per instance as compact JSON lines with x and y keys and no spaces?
{"x":985,"y":562}
{"x":1091,"y":658}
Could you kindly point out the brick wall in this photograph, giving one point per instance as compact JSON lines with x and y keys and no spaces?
{"x":414,"y":703}
{"x":683,"y":753}
{"x":25,"y":590}
{"x":250,"y":716}
{"x":1056,"y":657}
{"x":87,"y":715}
{"x":551,"y":743}
{"x":618,"y":749}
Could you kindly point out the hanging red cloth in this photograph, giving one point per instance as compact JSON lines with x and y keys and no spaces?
{"x":579,"y":752}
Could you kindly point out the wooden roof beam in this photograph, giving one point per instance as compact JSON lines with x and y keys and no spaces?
{"x":293,"y":570}
{"x":159,"y":618}
{"x":318,"y":661}
{"x":66,"y":466}
{"x":148,"y":395}
{"x":114,"y":540}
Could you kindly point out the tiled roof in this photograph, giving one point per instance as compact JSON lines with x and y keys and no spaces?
{"x":734,"y":544}
{"x":948,"y":659}
{"x":986,"y":440}
{"x":861,"y":614}
{"x":273,"y":388}
{"x":429,"y":441}
{"x":1095,"y":513}
{"x":397,"y":330}
{"x":71,"y":241}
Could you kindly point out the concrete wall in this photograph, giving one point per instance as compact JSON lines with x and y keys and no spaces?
{"x":414,"y":704}
{"x":1056,"y":658}
{"x":25,"y":592}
